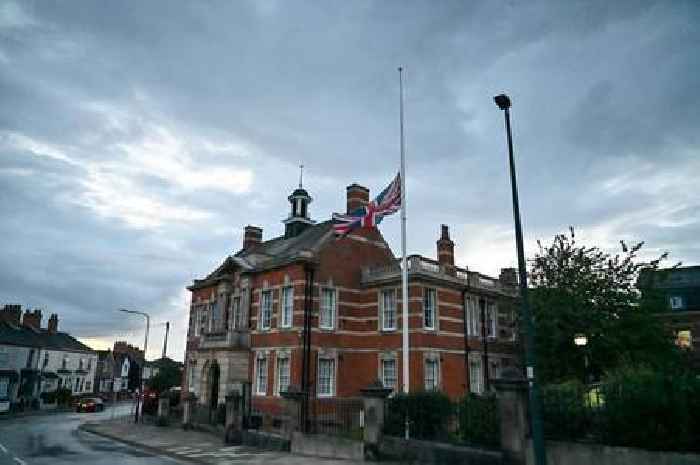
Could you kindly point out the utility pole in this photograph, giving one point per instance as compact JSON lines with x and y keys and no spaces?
{"x":165,"y":342}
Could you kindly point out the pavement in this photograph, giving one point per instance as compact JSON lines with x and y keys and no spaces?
{"x":56,"y":439}
{"x":110,"y":437}
{"x":198,"y":447}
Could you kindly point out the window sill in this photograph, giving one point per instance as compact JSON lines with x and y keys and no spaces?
{"x":388,"y":330}
{"x":326,"y":328}
{"x":325,"y":396}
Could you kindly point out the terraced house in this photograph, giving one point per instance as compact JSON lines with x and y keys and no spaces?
{"x":323,"y":314}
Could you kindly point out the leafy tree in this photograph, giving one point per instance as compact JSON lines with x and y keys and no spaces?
{"x":169,"y":375}
{"x":583,"y":290}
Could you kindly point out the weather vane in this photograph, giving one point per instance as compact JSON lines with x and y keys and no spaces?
{"x":301,"y":174}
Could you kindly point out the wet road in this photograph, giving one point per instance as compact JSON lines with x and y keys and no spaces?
{"x":55,"y":439}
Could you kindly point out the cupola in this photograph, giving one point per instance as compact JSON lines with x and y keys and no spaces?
{"x":298,"y":219}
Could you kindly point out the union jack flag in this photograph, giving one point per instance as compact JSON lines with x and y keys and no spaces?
{"x":386,"y":203}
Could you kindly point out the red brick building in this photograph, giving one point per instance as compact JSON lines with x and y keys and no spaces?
{"x":324,"y":314}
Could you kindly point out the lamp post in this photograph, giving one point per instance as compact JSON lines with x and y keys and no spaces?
{"x":504,"y":104}
{"x":580,"y":340}
{"x":145,"y":349}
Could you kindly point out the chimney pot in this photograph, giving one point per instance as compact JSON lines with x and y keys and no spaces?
{"x":32,"y":319}
{"x":252,"y":237}
{"x":357,"y":197}
{"x":11,"y":313}
{"x":446,"y":249}
{"x":508,"y":276}
{"x":53,"y":324}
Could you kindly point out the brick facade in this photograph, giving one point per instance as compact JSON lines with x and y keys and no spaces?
{"x":354,"y":312}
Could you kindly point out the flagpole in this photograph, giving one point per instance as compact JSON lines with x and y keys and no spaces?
{"x":404,"y":267}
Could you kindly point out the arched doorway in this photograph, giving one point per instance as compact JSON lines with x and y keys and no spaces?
{"x":213,"y":376}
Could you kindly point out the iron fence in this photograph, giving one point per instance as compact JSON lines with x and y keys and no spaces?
{"x":336,"y":416}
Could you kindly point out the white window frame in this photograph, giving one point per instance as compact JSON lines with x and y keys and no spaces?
{"x":676,"y":302}
{"x":332,"y":378}
{"x":4,"y":388}
{"x":436,"y":382}
{"x":491,"y":319}
{"x":329,"y":311}
{"x":476,"y":376}
{"x":195,"y":310}
{"x":287,"y":307}
{"x":383,"y":362}
{"x":473,"y":316}
{"x":286,"y":359}
{"x":236,"y":312}
{"x":261,"y":362}
{"x":383,"y":309}
{"x":427,"y":292}
{"x":266,"y":310}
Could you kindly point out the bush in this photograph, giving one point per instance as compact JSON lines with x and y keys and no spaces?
{"x":61,"y":396}
{"x":428,"y":414}
{"x":566,"y":414}
{"x":478,"y":420}
{"x":636,"y":407}
{"x":644,"y":408}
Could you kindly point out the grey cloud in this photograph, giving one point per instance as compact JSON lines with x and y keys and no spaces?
{"x":599,"y":88}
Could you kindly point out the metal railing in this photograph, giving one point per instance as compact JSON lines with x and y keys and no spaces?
{"x":337,"y":416}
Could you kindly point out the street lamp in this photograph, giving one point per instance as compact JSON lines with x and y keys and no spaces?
{"x":145,"y":349}
{"x":504,"y":104}
{"x":580,"y":340}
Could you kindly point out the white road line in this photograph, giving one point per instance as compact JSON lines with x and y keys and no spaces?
{"x":20,"y":461}
{"x":3,"y":449}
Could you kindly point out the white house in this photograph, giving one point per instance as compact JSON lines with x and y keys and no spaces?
{"x":34,"y":360}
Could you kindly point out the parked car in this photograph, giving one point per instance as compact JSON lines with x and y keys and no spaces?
{"x":90,"y":404}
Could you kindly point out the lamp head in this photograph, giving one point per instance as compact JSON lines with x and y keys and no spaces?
{"x":502,"y":101}
{"x":580,"y":340}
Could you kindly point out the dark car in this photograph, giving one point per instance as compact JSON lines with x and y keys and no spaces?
{"x":90,"y":404}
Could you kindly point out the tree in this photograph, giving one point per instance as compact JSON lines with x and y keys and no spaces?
{"x":169,"y":375}
{"x":583,"y":290}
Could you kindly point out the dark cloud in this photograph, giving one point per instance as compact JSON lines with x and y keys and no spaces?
{"x":136,"y":139}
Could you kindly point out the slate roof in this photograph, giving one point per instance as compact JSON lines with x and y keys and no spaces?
{"x":28,"y":337}
{"x":275,"y":252}
{"x":676,"y":278}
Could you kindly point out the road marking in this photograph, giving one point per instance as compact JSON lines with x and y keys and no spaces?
{"x":3,"y":449}
{"x":20,"y":461}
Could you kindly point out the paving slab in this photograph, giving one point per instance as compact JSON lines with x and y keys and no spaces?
{"x":198,"y":447}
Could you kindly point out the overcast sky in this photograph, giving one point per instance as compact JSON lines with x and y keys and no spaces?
{"x":138,"y":138}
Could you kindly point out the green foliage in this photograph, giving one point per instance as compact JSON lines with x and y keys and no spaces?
{"x":428,"y":414}
{"x":567,"y":412}
{"x":169,"y":375}
{"x":636,"y":407}
{"x":652,"y":409}
{"x":478,"y":420}
{"x":62,"y":396}
{"x":579,"y":289}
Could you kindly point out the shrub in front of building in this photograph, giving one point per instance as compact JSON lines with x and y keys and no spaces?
{"x":478,"y":420}
{"x":428,"y":413}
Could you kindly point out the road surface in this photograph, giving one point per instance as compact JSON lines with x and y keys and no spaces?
{"x":55,"y":439}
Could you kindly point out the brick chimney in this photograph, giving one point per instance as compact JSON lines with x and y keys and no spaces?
{"x":53,"y":324}
{"x":11,"y":313}
{"x":446,"y":249}
{"x":32,"y":319}
{"x":357,"y":197}
{"x":508,"y":276}
{"x":252,"y":237}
